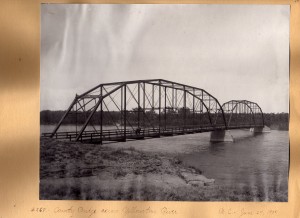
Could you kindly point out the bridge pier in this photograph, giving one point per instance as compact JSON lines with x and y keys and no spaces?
{"x":263,"y":129}
{"x":221,"y":136}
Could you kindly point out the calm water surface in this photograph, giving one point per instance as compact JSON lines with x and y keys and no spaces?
{"x":254,"y":161}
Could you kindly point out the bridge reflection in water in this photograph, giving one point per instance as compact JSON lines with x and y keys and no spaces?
{"x":143,"y":109}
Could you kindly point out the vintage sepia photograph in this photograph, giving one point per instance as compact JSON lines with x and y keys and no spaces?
{"x":164,"y":102}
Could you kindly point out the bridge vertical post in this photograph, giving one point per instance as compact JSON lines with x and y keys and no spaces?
{"x":253,"y":116}
{"x":101,"y":116}
{"x":159,"y":107}
{"x":76,"y":115}
{"x":125,"y":87}
{"x":240,"y":112}
{"x":201,"y":109}
{"x":193,"y":107}
{"x":232,"y":113}
{"x":176,"y":106}
{"x":83,"y":107}
{"x":153,"y":106}
{"x":244,"y":113}
{"x":122,"y":110}
{"x":139,"y":105}
{"x":173,"y":107}
{"x":144,"y":100}
{"x":165,"y":108}
{"x":173,"y":96}
{"x":184,"y":107}
{"x":209,"y":104}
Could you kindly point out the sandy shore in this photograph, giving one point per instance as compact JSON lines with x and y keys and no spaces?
{"x":113,"y":172}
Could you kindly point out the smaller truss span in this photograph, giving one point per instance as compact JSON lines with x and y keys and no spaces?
{"x":239,"y":113}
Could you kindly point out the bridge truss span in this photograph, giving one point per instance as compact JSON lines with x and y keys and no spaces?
{"x":139,"y":109}
{"x":241,"y":113}
{"x":142,"y":109}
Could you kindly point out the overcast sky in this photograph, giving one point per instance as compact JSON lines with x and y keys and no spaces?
{"x":231,"y":51}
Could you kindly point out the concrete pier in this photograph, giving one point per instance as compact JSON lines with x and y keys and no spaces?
{"x":264,"y":129}
{"x":221,"y":136}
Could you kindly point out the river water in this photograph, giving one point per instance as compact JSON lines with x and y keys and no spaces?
{"x":251,"y":160}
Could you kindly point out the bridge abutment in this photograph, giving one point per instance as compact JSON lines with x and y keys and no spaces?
{"x":263,"y":129}
{"x":221,"y":136}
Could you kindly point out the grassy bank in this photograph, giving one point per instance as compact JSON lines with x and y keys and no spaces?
{"x":86,"y":171}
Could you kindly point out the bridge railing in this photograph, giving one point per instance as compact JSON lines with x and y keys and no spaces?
{"x":121,"y":134}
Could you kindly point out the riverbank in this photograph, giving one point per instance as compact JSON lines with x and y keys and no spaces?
{"x":106,"y":172}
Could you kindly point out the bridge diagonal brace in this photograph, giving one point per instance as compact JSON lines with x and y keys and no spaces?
{"x":64,"y":116}
{"x":95,"y":108}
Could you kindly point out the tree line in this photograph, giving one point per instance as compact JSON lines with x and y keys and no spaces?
{"x":278,"y":121}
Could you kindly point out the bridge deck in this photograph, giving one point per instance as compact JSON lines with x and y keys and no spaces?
{"x":120,"y":135}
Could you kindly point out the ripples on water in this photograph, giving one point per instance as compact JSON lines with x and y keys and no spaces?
{"x":259,"y":161}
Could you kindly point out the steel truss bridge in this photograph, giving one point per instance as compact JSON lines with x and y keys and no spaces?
{"x":143,"y":109}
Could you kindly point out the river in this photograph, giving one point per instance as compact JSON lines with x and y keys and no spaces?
{"x":251,"y":160}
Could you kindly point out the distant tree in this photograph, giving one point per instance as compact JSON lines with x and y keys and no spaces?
{"x":279,"y":121}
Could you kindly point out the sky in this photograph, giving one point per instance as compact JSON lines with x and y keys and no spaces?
{"x":231,"y":51}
